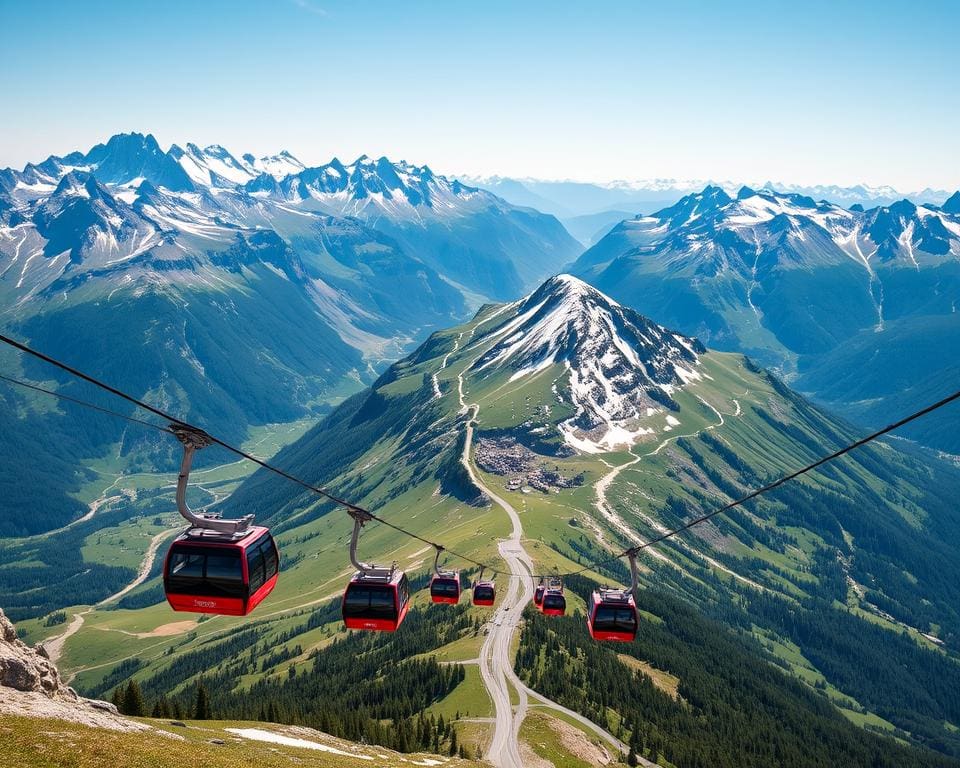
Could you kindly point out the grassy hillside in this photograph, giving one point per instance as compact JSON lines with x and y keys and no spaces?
{"x":68,"y":744}
{"x":862,"y":555}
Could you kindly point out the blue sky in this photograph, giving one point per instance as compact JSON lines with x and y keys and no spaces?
{"x":804,"y":92}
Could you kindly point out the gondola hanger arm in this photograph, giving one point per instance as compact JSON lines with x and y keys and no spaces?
{"x":193,"y":439}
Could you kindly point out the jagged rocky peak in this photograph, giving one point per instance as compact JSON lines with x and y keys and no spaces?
{"x":27,"y":669}
{"x":31,"y":686}
{"x":621,"y":367}
{"x":953,"y":204}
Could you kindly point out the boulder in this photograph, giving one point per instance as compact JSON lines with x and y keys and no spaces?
{"x":28,"y":669}
{"x":103,"y":706}
{"x":16,"y":673}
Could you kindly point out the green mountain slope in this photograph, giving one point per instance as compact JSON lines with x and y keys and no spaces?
{"x":629,"y":430}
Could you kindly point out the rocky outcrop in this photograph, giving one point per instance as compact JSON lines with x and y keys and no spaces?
{"x":30,"y":685}
{"x":29,"y":669}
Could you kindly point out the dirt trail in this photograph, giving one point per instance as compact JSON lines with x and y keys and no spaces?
{"x":54,"y":646}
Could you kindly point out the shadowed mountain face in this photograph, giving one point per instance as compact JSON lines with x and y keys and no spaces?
{"x":243,"y":290}
{"x":834,"y":299}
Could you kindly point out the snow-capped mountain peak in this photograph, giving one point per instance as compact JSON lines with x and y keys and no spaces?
{"x":212,"y":166}
{"x":399,"y":190}
{"x":621,"y":367}
{"x":760,"y":229}
{"x":279,"y":166}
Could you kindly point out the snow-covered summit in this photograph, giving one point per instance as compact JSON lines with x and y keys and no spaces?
{"x":399,"y":190}
{"x":710,"y":232}
{"x":279,"y":165}
{"x":621,"y":367}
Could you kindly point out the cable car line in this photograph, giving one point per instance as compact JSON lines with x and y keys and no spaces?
{"x":177,"y":424}
{"x":84,"y":403}
{"x":354,"y":509}
{"x":775,"y":484}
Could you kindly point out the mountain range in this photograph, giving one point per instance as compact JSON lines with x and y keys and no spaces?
{"x":855,"y":306}
{"x":176,"y":274}
{"x":440,"y":221}
{"x":568,"y":199}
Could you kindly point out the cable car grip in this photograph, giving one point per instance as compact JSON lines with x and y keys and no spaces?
{"x":632,"y":557}
{"x":194,"y":439}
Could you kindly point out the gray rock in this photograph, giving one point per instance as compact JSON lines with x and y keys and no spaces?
{"x":41,"y":650}
{"x":217,"y":741}
{"x":28,"y":669}
{"x":178,"y":723}
{"x":103,"y":706}
{"x":17,"y":673}
{"x":7,"y":632}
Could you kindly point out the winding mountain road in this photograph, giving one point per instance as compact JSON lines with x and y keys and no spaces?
{"x":496,"y":659}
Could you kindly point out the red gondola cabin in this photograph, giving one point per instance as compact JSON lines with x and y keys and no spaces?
{"x":484,"y":593}
{"x":445,"y":587}
{"x":612,"y":615}
{"x":376,"y":601}
{"x":554,"y":603}
{"x":538,"y":595}
{"x":210,"y":572}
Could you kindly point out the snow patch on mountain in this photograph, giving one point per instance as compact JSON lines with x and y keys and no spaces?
{"x":621,"y":368}
{"x":278,"y":166}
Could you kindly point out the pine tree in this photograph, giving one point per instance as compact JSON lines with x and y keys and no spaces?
{"x":161,"y":708}
{"x":453,"y":743}
{"x":402,"y":739}
{"x":635,"y":746}
{"x":117,"y":698}
{"x":133,"y":704}
{"x":201,"y":707}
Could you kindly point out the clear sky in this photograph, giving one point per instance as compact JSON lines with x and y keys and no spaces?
{"x":802,"y":92}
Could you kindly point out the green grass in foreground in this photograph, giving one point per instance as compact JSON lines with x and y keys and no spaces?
{"x":30,"y":743}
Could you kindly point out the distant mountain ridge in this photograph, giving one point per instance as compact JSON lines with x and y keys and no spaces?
{"x":247,"y":289}
{"x":823,"y":293}
{"x":476,"y":239}
{"x":572,"y":199}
